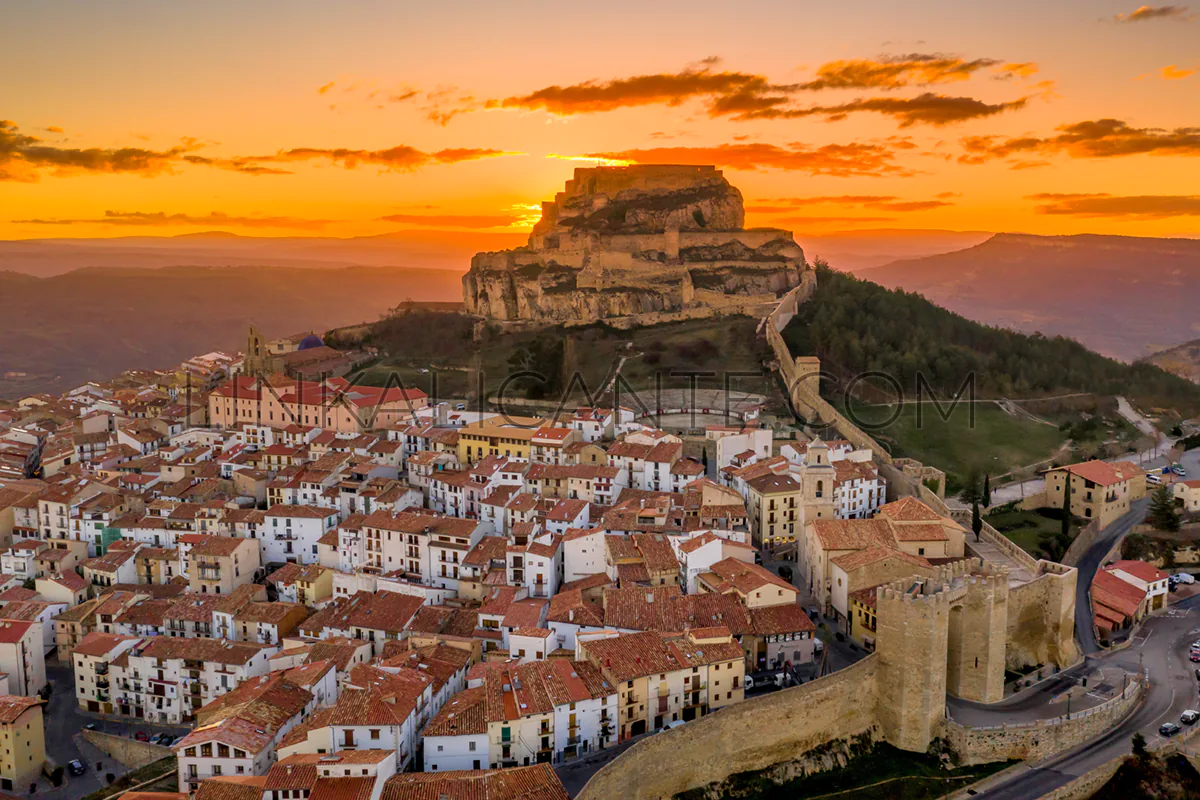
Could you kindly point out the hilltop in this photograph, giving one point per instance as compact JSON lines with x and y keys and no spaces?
{"x":1122,"y":296}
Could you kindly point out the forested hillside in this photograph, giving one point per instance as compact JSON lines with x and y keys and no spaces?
{"x":856,"y":326}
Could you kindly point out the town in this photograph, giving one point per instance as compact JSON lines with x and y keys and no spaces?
{"x":314,"y":586}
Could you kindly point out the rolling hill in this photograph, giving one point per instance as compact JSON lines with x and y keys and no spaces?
{"x":1182,"y":359}
{"x":93,"y":323}
{"x":1122,"y":296}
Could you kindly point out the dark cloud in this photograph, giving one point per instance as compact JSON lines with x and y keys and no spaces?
{"x":841,"y":160}
{"x":1107,"y":205}
{"x":402,"y":157}
{"x":25,"y":157}
{"x":214,"y":219}
{"x":749,"y":96}
{"x":927,"y":109}
{"x":640,"y":90}
{"x":1101,"y":138}
{"x":1146,"y":13}
{"x":913,"y":69}
{"x":453,"y":220}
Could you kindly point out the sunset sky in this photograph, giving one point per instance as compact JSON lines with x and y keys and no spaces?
{"x":303,"y":118}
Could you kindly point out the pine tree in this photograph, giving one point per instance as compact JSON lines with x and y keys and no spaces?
{"x":1162,"y":511}
{"x":1066,"y":506}
{"x":976,"y":519}
{"x":970,"y":491}
{"x":987,"y":490}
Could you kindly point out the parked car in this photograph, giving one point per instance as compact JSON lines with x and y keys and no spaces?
{"x":1169,"y":729}
{"x":77,"y":767}
{"x":1195,"y":656}
{"x":164,"y":739}
{"x":1185,"y":577}
{"x":142,"y":736}
{"x":1152,"y":477}
{"x":1198,"y":673}
{"x":1189,"y":717}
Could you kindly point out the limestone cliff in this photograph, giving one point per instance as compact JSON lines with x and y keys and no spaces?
{"x":632,"y":241}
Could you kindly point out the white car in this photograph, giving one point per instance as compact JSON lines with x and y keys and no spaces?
{"x":1152,"y":477}
{"x":1185,"y":577}
{"x":1189,"y":717}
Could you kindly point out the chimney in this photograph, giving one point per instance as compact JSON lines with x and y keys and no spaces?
{"x":649,"y":597}
{"x":571,"y":615}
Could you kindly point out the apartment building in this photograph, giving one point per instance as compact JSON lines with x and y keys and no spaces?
{"x":662,"y":679}
{"x":23,"y":656}
{"x":239,"y":732}
{"x":91,"y":660}
{"x":219,"y":564}
{"x":24,"y":737}
{"x":548,"y":711}
{"x":169,"y":679}
{"x":291,"y":533}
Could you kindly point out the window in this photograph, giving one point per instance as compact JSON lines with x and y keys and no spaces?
{"x":375,"y":733}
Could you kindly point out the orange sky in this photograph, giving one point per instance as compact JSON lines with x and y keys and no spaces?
{"x":133,"y":118}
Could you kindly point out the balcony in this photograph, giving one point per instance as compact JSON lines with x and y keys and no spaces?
{"x":102,"y":668}
{"x":102,"y":683}
{"x":210,"y":573}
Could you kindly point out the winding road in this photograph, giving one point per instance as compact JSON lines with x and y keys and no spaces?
{"x":1090,"y":563}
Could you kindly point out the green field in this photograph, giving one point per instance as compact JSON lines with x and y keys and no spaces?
{"x":1026,"y":528}
{"x":988,"y":440}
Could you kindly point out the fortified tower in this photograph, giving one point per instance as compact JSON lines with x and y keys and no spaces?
{"x":937,"y":635}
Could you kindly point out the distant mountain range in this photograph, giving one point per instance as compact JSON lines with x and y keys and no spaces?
{"x":93,"y":323}
{"x":1122,"y":296}
{"x":431,"y":249}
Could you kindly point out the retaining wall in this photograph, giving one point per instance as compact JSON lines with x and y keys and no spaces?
{"x":746,"y":737}
{"x":1088,"y":783}
{"x":1044,"y":738}
{"x":1082,"y":543}
{"x":129,"y":752}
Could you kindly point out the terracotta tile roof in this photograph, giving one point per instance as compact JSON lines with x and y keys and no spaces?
{"x":12,"y":631}
{"x":920,"y":533}
{"x":746,"y":578}
{"x":218,"y":651}
{"x":596,"y":581}
{"x":485,"y":551}
{"x":1140,"y":570}
{"x":69,"y":580}
{"x":216,"y":546}
{"x":343,"y":788}
{"x":446,"y":620}
{"x":871,"y":555}
{"x":569,"y":606}
{"x":537,"y":782}
{"x":852,"y":534}
{"x":909,"y":509}
{"x":463,"y":715}
{"x":294,"y":772}
{"x":498,"y":601}
{"x":1103,"y":473}
{"x":1110,"y":591}
{"x":13,"y":706}
{"x":101,"y":644}
{"x":773,"y":620}
{"x":656,"y":552}
{"x":386,"y":611}
{"x":525,"y":614}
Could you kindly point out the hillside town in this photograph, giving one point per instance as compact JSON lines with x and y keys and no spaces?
{"x":329,"y":587}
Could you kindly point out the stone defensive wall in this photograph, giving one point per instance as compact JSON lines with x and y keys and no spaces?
{"x":1042,"y":739}
{"x":1041,"y":608}
{"x":749,"y":736}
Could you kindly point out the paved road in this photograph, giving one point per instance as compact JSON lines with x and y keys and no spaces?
{"x":1090,"y":563}
{"x":64,"y":721}
{"x":1161,"y":647}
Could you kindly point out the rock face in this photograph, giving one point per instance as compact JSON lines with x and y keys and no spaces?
{"x":634,"y":241}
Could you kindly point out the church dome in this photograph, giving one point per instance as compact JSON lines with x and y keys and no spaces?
{"x":311,"y":341}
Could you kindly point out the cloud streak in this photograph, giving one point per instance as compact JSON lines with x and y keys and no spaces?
{"x":927,"y":109}
{"x":400,"y":158}
{"x":839,"y":160}
{"x":1147,"y":13}
{"x":214,"y":219}
{"x":1101,"y":138}
{"x":880,"y":202}
{"x":1139,"y":207}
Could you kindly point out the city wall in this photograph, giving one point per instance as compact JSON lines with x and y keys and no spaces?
{"x":1041,"y":619}
{"x":1082,"y":543}
{"x":1088,"y":783}
{"x":129,"y":752}
{"x":1041,"y":739}
{"x":754,"y":735}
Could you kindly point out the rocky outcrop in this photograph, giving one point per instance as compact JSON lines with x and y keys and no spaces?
{"x":630,"y":241}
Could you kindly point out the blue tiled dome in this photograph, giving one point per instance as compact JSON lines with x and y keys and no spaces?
{"x":311,"y":341}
